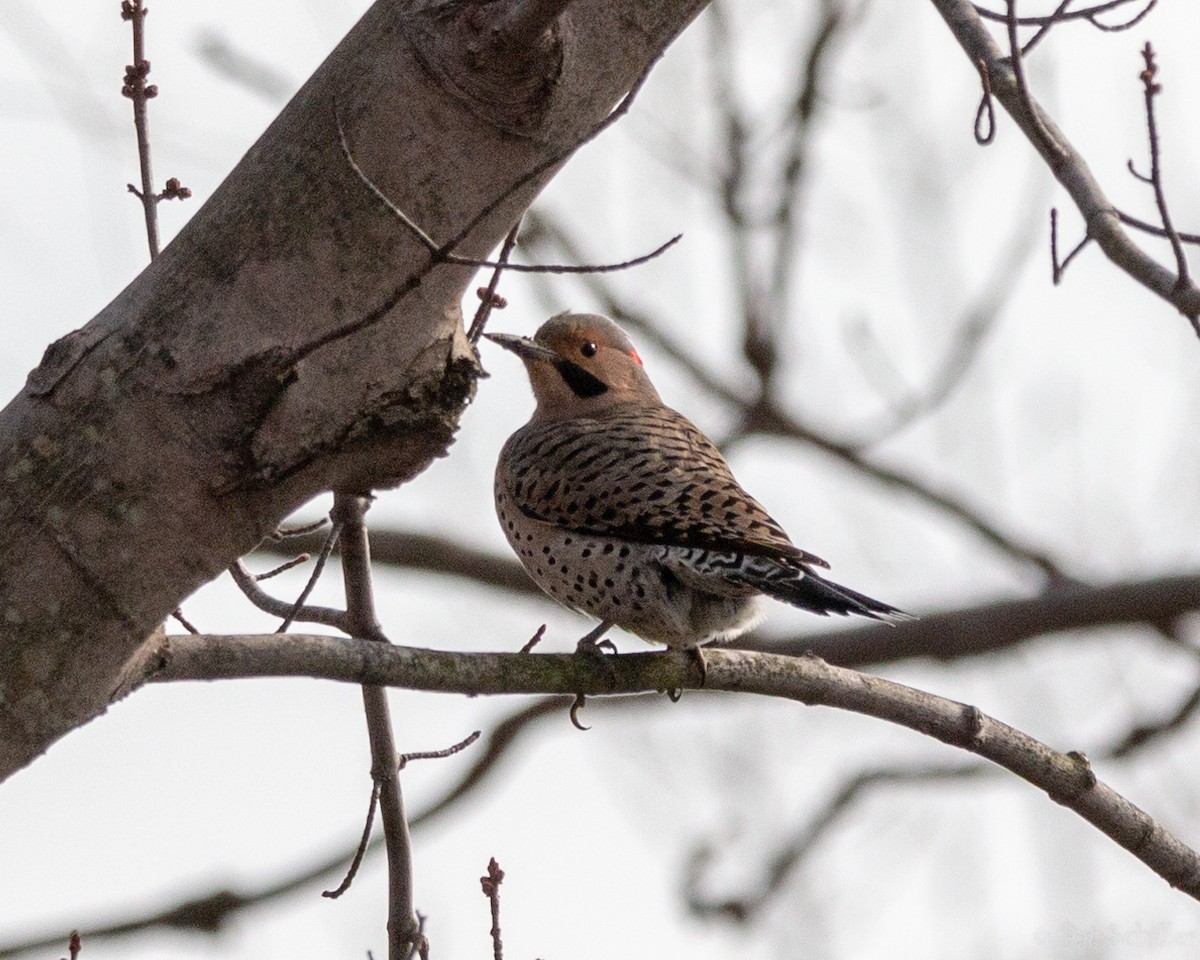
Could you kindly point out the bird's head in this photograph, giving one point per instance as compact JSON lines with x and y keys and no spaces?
{"x":580,"y":364}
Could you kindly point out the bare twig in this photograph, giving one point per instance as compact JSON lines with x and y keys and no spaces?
{"x":443,"y":254}
{"x":405,"y":758}
{"x":1088,"y":14}
{"x":283,"y":567}
{"x":488,"y":298}
{"x":970,"y":334}
{"x":177,"y":615}
{"x":745,"y":908}
{"x":248,"y":584}
{"x":285,"y":533}
{"x":299,"y":607}
{"x":349,"y":512}
{"x":1067,"y":165}
{"x":1151,"y":89}
{"x":1055,"y":18}
{"x":413,"y":280}
{"x":985,"y":115}
{"x":1059,"y":267}
{"x":491,"y":889}
{"x":361,"y":850}
{"x":138,"y":91}
{"x":1016,"y":62}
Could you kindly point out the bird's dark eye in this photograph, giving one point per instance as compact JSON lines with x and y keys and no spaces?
{"x":588,"y":348}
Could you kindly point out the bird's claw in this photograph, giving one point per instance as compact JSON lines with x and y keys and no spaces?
{"x":579,"y":704}
{"x":587,"y":647}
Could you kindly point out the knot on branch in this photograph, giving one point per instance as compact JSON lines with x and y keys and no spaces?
{"x":501,"y":60}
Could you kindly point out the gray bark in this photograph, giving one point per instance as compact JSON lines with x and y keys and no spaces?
{"x":266,"y":355}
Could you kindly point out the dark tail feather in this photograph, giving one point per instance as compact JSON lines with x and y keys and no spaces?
{"x":812,"y":592}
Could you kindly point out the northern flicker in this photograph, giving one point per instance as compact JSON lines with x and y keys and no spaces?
{"x":620,"y":508}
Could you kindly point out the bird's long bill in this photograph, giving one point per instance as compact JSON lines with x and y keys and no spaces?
{"x":523,"y":347}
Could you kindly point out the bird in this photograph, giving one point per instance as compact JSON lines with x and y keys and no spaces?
{"x":620,"y":508}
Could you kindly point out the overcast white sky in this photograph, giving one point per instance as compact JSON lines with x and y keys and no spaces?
{"x":1076,"y":428}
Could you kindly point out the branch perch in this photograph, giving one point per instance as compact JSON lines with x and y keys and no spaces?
{"x":1066,"y":778}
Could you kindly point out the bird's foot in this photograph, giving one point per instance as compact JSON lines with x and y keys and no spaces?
{"x":587,"y":647}
{"x":696,"y":656}
{"x":592,"y":648}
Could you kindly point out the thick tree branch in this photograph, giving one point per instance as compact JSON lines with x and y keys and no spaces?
{"x":1067,"y":778}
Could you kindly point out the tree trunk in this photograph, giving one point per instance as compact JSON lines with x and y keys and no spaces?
{"x":293,"y":338}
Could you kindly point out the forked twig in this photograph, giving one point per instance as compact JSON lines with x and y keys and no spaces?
{"x":318,"y":568}
{"x":248,"y":584}
{"x":410,"y":283}
{"x":444,"y":254}
{"x":488,"y":298}
{"x":1150,"y":90}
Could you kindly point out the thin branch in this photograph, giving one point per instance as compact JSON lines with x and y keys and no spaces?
{"x":441,"y":254}
{"x":768,"y":421}
{"x":985,"y":115}
{"x":746,"y":908}
{"x":490,"y":883}
{"x":1037,"y":125}
{"x":1059,"y":267}
{"x":1067,"y":165}
{"x":1151,"y":229}
{"x":349,"y":512}
{"x":1066,"y":778}
{"x":810,"y":90}
{"x":248,"y":584}
{"x":187,"y":625}
{"x":135,"y":88}
{"x":1088,"y":14}
{"x":284,"y":567}
{"x":361,"y":850}
{"x":406,"y":758}
{"x":285,"y":533}
{"x":488,"y":298}
{"x":299,"y":607}
{"x":1150,"y":90}
{"x":413,"y":280}
{"x":1055,"y":18}
{"x":971,"y":332}
{"x":1142,"y":734}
